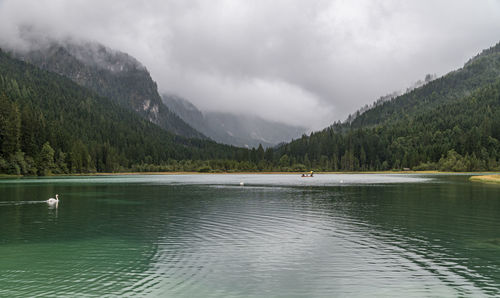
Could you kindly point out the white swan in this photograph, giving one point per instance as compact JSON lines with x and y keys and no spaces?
{"x":52,"y":201}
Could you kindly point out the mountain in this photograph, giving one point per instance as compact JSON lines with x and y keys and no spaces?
{"x":451,"y":123}
{"x":185,"y":110}
{"x":49,"y":124}
{"x":239,"y":130}
{"x":249,"y":131}
{"x":111,"y":74}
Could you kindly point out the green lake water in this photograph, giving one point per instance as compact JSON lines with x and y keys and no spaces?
{"x":276,"y":236}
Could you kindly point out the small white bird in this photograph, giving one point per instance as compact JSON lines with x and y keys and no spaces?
{"x":341,"y":181}
{"x":241,"y":183}
{"x":53,"y":201}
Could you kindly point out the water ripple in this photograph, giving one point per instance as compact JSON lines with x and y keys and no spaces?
{"x":222,"y":240}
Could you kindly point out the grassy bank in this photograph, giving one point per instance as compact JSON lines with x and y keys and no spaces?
{"x":2,"y":176}
{"x":486,"y":178}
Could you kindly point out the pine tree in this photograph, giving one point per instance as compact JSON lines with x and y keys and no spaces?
{"x":46,"y":164}
{"x":10,"y":127}
{"x":28,"y":128}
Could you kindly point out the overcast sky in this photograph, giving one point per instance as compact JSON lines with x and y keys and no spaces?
{"x":307,"y":62}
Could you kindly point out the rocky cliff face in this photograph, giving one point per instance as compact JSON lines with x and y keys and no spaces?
{"x":112,"y":74}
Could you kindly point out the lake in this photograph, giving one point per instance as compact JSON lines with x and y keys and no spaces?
{"x":276,"y":236}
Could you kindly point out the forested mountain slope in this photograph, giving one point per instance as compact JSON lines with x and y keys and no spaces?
{"x":452,"y":123}
{"x":111,"y":74}
{"x":49,"y":124}
{"x":481,"y":70}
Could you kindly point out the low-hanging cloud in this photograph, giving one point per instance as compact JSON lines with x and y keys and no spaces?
{"x":299,"y":62}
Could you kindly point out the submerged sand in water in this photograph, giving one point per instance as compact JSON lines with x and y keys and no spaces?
{"x":486,"y":178}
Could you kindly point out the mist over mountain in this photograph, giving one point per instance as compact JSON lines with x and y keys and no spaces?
{"x":239,"y":130}
{"x":122,"y":78}
{"x":451,"y":123}
{"x":481,"y":70}
{"x":390,"y":96}
{"x":111,"y":74}
{"x":290,"y":61}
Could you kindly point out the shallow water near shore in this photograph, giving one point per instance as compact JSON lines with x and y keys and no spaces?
{"x":276,"y":236}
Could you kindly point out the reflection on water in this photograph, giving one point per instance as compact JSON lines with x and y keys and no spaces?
{"x":13,"y":203}
{"x":279,"y":235}
{"x":17,"y":203}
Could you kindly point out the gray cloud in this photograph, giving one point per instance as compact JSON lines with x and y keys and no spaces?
{"x":300,"y":62}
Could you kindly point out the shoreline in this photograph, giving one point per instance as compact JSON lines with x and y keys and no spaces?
{"x":479,"y":174}
{"x":476,"y":176}
{"x":250,"y":173}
